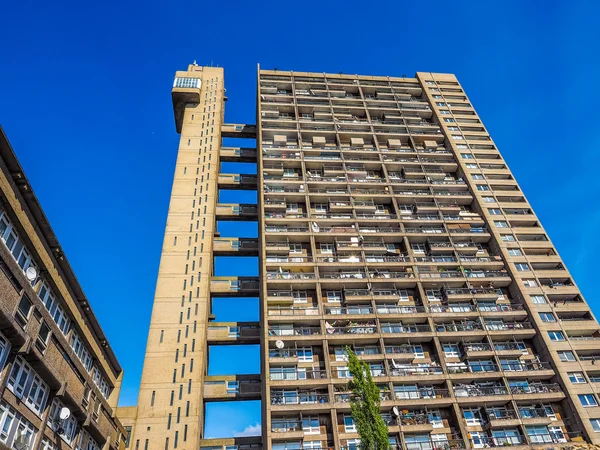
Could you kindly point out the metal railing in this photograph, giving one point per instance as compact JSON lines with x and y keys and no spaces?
{"x":479,"y":391}
{"x":535,"y":389}
{"x":299,"y":398}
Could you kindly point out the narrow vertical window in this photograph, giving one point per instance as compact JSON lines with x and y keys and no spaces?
{"x":152,"y":399}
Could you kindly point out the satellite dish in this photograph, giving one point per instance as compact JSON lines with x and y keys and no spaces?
{"x":65,"y":413}
{"x":396,"y":411}
{"x":31,"y":273}
{"x":279,"y":343}
{"x":21,"y":442}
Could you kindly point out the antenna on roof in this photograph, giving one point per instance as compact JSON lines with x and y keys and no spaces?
{"x":195,"y":63}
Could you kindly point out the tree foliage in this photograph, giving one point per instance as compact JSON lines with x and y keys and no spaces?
{"x":371,"y":428}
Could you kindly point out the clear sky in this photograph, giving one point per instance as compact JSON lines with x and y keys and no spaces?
{"x":85,"y":101}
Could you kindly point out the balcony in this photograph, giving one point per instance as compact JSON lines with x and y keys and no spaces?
{"x":234,"y":212}
{"x":234,"y":286}
{"x":293,"y":374}
{"x":297,"y":332}
{"x":233,"y":333}
{"x":415,"y":370}
{"x":470,"y":390}
{"x":235,"y":246}
{"x":299,"y":400}
{"x":237,"y":181}
{"x":547,"y":392}
{"x":238,"y":154}
{"x":234,"y":130}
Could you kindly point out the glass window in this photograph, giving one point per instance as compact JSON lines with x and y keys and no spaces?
{"x":538,"y":299}
{"x":349,"y":425}
{"x":24,"y":309}
{"x":500,"y":224}
{"x":556,"y":335}
{"x":576,"y":378}
{"x":566,"y":356}
{"x":595,"y":425}
{"x":466,"y":156}
{"x":494,"y":211}
{"x":588,"y":400}
{"x":522,"y":267}
{"x":530,"y":283}
{"x":547,"y":317}
{"x":483,"y":187}
{"x":471,"y":166}
{"x":515,"y":252}
{"x":508,"y":238}
{"x":488,"y":199}
{"x":27,"y":385}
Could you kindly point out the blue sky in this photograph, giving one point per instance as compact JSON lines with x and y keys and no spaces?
{"x":85,"y":100}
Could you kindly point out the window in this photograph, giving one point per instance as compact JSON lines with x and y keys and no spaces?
{"x":500,"y":224}
{"x":27,"y":385}
{"x":487,"y":199}
{"x":473,"y":416}
{"x":538,"y":299}
{"x":530,"y":283}
{"x":418,"y":248}
{"x":595,"y":425}
{"x":483,"y":187}
{"x":577,"y":378}
{"x":471,"y":166}
{"x":451,"y":350}
{"x":23,"y":311}
{"x":65,"y":428}
{"x":522,"y":267}
{"x":467,"y":156}
{"x":494,"y":211}
{"x":508,"y":238}
{"x":12,"y":424}
{"x":457,"y":138}
{"x":52,"y":304}
{"x":588,"y":400}
{"x":556,"y":335}
{"x":43,"y":337}
{"x":515,"y":252}
{"x":449,"y":120}
{"x":305,"y":354}
{"x":128,"y":430}
{"x":547,"y":317}
{"x":4,"y":349}
{"x":15,"y":245}
{"x":477,"y":176}
{"x":349,"y":425}
{"x":566,"y":356}
{"x":82,"y":353}
{"x":233,"y":387}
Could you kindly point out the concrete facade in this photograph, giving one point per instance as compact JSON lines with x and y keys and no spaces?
{"x":388,"y":222}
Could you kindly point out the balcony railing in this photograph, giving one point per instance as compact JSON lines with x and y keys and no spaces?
{"x":294,"y":374}
{"x":299,"y":398}
{"x":357,"y":310}
{"x":296,"y":331}
{"x":291,"y":311}
{"x":479,"y":391}
{"x":401,"y":328}
{"x":533,"y":413}
{"x":355,"y":329}
{"x":535,"y":389}
{"x":392,"y":309}
{"x":416,"y":370}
